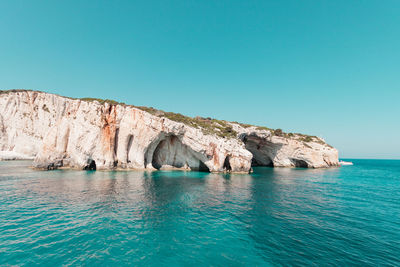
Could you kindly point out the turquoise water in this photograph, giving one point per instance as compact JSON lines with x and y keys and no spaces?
{"x":340,"y":216}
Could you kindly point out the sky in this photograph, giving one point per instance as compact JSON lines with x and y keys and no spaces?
{"x":325,"y":68}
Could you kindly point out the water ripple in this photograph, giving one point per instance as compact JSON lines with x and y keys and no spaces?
{"x":344,"y":216}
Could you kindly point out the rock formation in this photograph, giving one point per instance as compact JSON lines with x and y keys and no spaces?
{"x":96,"y":134}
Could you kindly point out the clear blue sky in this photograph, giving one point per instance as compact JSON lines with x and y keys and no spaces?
{"x":327,"y":68}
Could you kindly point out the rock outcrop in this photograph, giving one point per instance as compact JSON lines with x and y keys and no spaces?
{"x":94,"y":134}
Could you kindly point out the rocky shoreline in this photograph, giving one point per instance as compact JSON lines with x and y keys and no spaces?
{"x":101,"y":134}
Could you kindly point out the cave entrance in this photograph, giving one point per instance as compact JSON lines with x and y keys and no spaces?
{"x":261,"y":150}
{"x":202,"y":167}
{"x":227,"y":166}
{"x":298,"y":163}
{"x":256,"y":162}
{"x":171,"y":153}
{"x":91,"y":165}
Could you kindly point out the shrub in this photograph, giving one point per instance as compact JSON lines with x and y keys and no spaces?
{"x":102,"y":101}
{"x":307,"y":139}
{"x":263,"y":128}
{"x":278,"y":132}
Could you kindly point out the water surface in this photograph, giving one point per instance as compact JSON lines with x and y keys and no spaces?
{"x":340,"y":216}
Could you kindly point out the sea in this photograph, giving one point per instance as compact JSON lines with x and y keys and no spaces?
{"x":345,"y":216}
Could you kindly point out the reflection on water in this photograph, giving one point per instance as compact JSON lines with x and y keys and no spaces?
{"x":274,"y":216}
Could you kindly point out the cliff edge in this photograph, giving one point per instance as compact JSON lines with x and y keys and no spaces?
{"x":101,"y":134}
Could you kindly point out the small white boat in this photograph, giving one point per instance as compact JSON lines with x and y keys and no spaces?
{"x":345,"y":163}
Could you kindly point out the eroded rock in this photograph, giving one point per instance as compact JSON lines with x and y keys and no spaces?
{"x":64,"y":132}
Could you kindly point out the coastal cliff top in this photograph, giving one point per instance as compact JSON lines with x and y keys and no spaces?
{"x":221,"y":128}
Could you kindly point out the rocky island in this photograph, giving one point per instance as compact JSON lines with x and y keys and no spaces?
{"x":93,"y":134}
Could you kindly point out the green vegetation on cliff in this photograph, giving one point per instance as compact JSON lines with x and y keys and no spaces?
{"x":208,"y":125}
{"x":220,"y":128}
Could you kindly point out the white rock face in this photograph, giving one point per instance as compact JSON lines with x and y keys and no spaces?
{"x":64,"y":132}
{"x":11,"y":155}
{"x":294,"y":150}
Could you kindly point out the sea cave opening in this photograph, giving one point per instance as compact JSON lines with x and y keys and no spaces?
{"x":261,"y":151}
{"x":91,"y":165}
{"x":299,"y":163}
{"x":171,"y":153}
{"x":227,"y":166}
{"x":256,"y":162}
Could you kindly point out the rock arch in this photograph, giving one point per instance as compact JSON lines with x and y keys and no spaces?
{"x":171,"y":153}
{"x":263,"y":151}
{"x":299,"y":163}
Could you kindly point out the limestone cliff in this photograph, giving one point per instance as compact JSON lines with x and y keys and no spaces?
{"x":94,"y":134}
